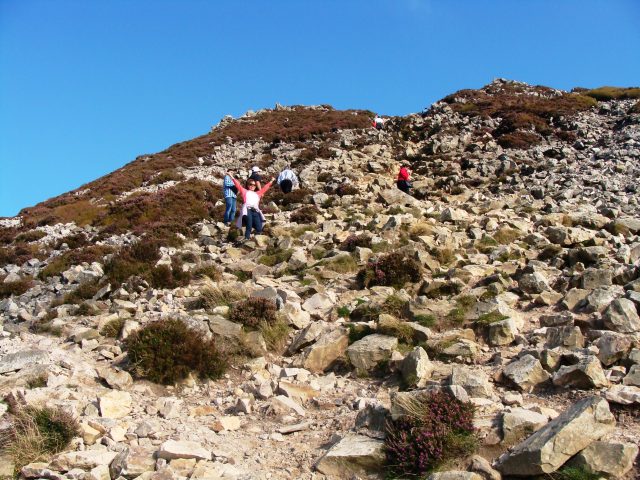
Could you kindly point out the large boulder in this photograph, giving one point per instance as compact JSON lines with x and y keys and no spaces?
{"x":354,"y":455}
{"x":368,"y":352}
{"x":585,"y":374}
{"x":416,"y":368}
{"x":474,"y":381}
{"x":85,"y":460}
{"x":621,"y":316}
{"x":606,"y":458}
{"x":550,"y":447}
{"x":115,"y":404}
{"x":519,"y":423}
{"x":325,"y":351}
{"x":526,"y":373}
{"x":613,"y":346}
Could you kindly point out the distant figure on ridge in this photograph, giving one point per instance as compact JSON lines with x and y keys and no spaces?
{"x":251,"y":197}
{"x":229,"y":192}
{"x":403,"y":181}
{"x":378,"y":122}
{"x":255,"y":175}
{"x":287,"y":180}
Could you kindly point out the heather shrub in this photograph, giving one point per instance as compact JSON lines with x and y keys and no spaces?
{"x":167,"y":351}
{"x":15,"y":288}
{"x":306,"y":214}
{"x":210,"y":271}
{"x":36,"y":433}
{"x":353,"y":241}
{"x":253,"y":311}
{"x":635,"y":108}
{"x":436,"y":427}
{"x":83,"y":292}
{"x":346,"y":189}
{"x":287,"y":200}
{"x":393,"y":269}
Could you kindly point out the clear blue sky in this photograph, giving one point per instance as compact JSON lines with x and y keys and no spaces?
{"x":87,"y":85}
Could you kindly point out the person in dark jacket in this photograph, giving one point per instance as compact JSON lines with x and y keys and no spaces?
{"x":255,"y":175}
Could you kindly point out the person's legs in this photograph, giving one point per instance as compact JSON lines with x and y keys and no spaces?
{"x":286,"y":186}
{"x":230,"y":210}
{"x":402,"y":185}
{"x":257,"y":222}
{"x":250,"y":218}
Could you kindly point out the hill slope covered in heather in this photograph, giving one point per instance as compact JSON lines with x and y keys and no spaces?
{"x":506,"y":281}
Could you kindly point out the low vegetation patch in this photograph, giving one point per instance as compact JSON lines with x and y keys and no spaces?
{"x":613,"y":93}
{"x":573,"y":473}
{"x":435,"y":429}
{"x":15,"y":288}
{"x":305,"y":215}
{"x":167,"y":351}
{"x":275,"y":334}
{"x":353,"y":241}
{"x":341,"y":264}
{"x":37,"y":433}
{"x":253,"y":311}
{"x":273,"y":256}
{"x":393,"y":269}
{"x":31,"y":236}
{"x":113,"y":328}
{"x":491,"y":317}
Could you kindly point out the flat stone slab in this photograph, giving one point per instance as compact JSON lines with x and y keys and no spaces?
{"x":19,"y":360}
{"x":353,"y":455}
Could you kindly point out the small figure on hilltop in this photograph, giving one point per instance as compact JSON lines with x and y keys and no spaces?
{"x":403,"y":181}
{"x":378,"y":122}
{"x":255,"y":175}
{"x":229,"y":192}
{"x":251,"y":197}
{"x":287,"y":180}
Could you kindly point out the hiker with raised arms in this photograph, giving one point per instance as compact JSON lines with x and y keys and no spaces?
{"x":251,"y":197}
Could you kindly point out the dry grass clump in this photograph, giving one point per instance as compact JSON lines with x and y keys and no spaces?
{"x":613,"y":93}
{"x":216,"y":296}
{"x":113,"y":328}
{"x":341,"y":264}
{"x":166,"y":176}
{"x":210,"y":271}
{"x":167,"y":351}
{"x":30,"y":236}
{"x":37,"y":433}
{"x":275,"y":334}
{"x":273,"y":256}
{"x":506,"y":236}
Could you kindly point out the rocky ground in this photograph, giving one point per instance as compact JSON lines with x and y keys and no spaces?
{"x":525,"y":304}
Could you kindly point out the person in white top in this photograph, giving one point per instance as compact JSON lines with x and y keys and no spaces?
{"x":251,"y":197}
{"x":378,"y":122}
{"x":287,"y":180}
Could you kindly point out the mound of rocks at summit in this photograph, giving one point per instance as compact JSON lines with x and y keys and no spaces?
{"x":524,"y":223}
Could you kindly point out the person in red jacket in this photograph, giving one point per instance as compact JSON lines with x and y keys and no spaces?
{"x":251,"y":197}
{"x":403,"y":181}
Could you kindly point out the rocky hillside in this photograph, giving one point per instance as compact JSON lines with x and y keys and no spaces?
{"x":486,"y":327}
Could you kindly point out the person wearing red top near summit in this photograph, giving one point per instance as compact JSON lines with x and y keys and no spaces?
{"x":251,"y":197}
{"x":403,"y":181}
